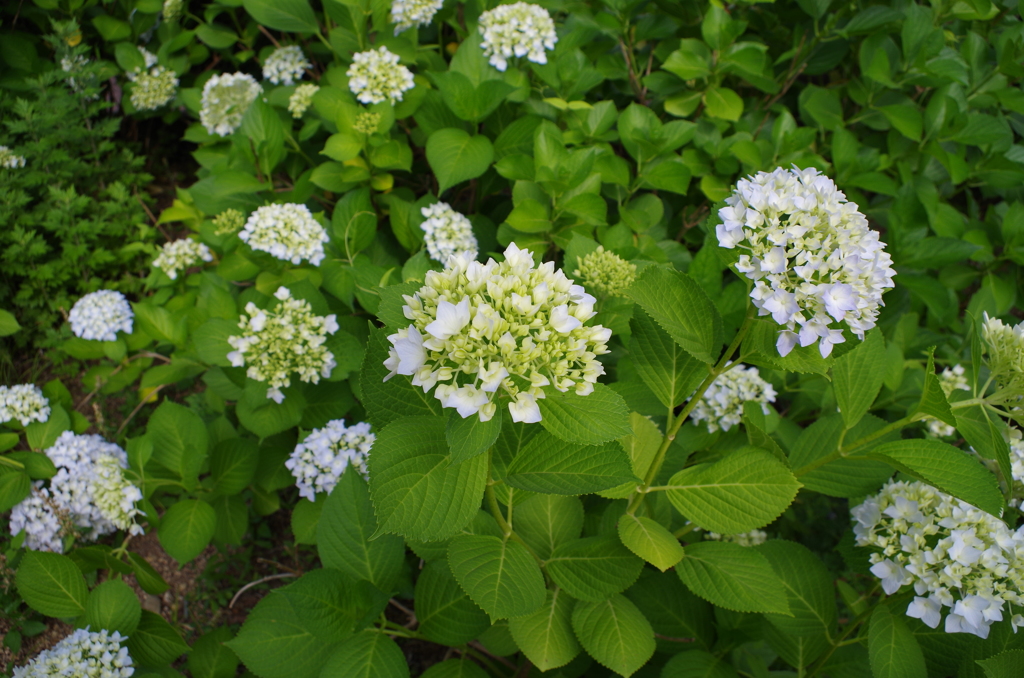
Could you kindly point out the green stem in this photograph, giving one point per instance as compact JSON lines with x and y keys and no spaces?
{"x":845,"y":451}
{"x":495,"y":508}
{"x":684,"y":530}
{"x":838,"y":642}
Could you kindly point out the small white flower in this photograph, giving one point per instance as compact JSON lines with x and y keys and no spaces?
{"x":406,"y":14}
{"x":752,"y":538}
{"x":285,"y":65}
{"x":318,"y":461}
{"x":517,"y":30}
{"x":301,"y":99}
{"x":179,"y":255}
{"x":9,"y":159}
{"x":376,"y":76}
{"x":226,"y":98}
{"x":101,"y":315}
{"x":446,"y":232}
{"x":927,"y":610}
{"x":83,"y":654}
{"x":173,"y":9}
{"x":721,"y":406}
{"x":24,"y":402}
{"x":288,"y":232}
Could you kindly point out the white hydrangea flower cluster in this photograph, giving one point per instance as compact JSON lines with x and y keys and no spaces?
{"x":229,"y":221}
{"x":226,"y":98}
{"x":604,"y":272}
{"x":961,"y":557}
{"x":517,"y":30}
{"x":24,"y":402}
{"x":406,"y":14}
{"x":101,"y":315}
{"x":447,"y":232}
{"x":179,"y":255}
{"x":287,"y":338}
{"x":1005,"y":352}
{"x":288,"y":232}
{"x":10,"y":159}
{"x":318,"y":461}
{"x":752,"y":538}
{"x":285,"y":65}
{"x":173,"y":9}
{"x":301,"y":99}
{"x":815,"y":262}
{"x":154,"y":88}
{"x":951,"y":379}
{"x":721,"y":406}
{"x":89,"y":491}
{"x":477,"y":328}
{"x":376,"y":76}
{"x":83,"y":654}
{"x":74,"y":64}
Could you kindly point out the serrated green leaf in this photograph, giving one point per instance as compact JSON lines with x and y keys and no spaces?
{"x":499,"y":575}
{"x":697,"y":664}
{"x":642,"y":447}
{"x":283,"y":15}
{"x":590,"y":420}
{"x":545,"y":521}
{"x":155,"y":642}
{"x":210,"y":658}
{"x":233,"y":463}
{"x":809,"y":591}
{"x":468,"y":436}
{"x":682,"y":309}
{"x":1009,"y":664}
{"x":857,"y":377}
{"x":734,"y":577}
{"x":113,"y":606}
{"x":677,"y":615}
{"x":842,"y":477}
{"x":179,"y":440}
{"x":386,"y":401}
{"x":455,"y":156}
{"x":892,"y":648}
{"x":933,"y":398}
{"x":51,"y":584}
{"x":747,"y":489}
{"x":446,"y":614}
{"x":594,"y":568}
{"x":615,"y":633}
{"x":670,"y":372}
{"x":149,"y":579}
{"x":650,"y":541}
{"x":187,"y":528}
{"x":984,"y":431}
{"x":368,"y":654}
{"x":546,"y":636}
{"x":552,"y":466}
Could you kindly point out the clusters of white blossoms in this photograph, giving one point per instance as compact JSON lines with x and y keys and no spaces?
{"x":1005,"y":347}
{"x":101,"y":315}
{"x":179,"y":255}
{"x":24,"y":402}
{"x":480,"y":328}
{"x":10,"y":159}
{"x":226,"y":98}
{"x":447,"y":232}
{"x":605,"y":273}
{"x":376,"y":76}
{"x":951,"y":379}
{"x":752,"y":538}
{"x":318,"y":461}
{"x":288,"y":232}
{"x":89,"y":495}
{"x":229,"y":221}
{"x":173,"y":9}
{"x":517,"y":30}
{"x":815,"y":262}
{"x":83,"y":654}
{"x":286,"y":338}
{"x":76,"y":63}
{"x":301,"y":99}
{"x":285,"y":65}
{"x":154,"y":88}
{"x":721,"y":406}
{"x":955,"y":555}
{"x":406,"y":14}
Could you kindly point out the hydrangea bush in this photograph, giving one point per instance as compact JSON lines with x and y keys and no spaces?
{"x":672,"y":339}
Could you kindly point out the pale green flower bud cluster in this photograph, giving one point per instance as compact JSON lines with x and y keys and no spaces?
{"x":752,"y":538}
{"x":114,"y":495}
{"x":229,"y":221}
{"x":406,"y":14}
{"x":521,"y":29}
{"x":10,"y":159}
{"x":1005,"y":346}
{"x":173,"y":9}
{"x":24,"y":402}
{"x":816,"y":264}
{"x":281,"y":340}
{"x":480,"y":330}
{"x":83,"y":654}
{"x":318,"y":461}
{"x":226,"y":98}
{"x":721,"y":406}
{"x":285,"y":65}
{"x":179,"y":255}
{"x":301,"y":99}
{"x":605,"y":273}
{"x":955,"y":555}
{"x":376,"y":76}
{"x":154,"y":88}
{"x":366,"y":122}
{"x":288,"y":232}
{"x":447,"y":232}
{"x":951,"y":379}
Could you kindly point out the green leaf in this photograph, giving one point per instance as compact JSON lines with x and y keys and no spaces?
{"x":857,"y":377}
{"x":933,"y":398}
{"x":1008,"y":664}
{"x":734,"y":577}
{"x":530,"y":216}
{"x":691,"y":61}
{"x":113,"y":606}
{"x":615,"y":633}
{"x":233,"y":464}
{"x":984,"y":432}
{"x":642,"y":447}
{"x":594,"y":568}
{"x":467,"y":437}
{"x":14,"y":487}
{"x":149,"y":579}
{"x":846,"y":476}
{"x":724,"y":103}
{"x":808,"y":588}
{"x":892,"y":648}
{"x":354,"y":222}
{"x":179,"y":440}
{"x":155,"y":642}
{"x":51,"y":584}
{"x":446,"y":614}
{"x":545,"y":521}
{"x":210,"y":658}
{"x":283,"y":15}
{"x":416,"y":491}
{"x":671,"y":373}
{"x":454,"y":156}
{"x":649,"y":540}
{"x":112,"y":29}
{"x":368,"y":654}
{"x":386,"y":401}
{"x":546,"y":636}
{"x":683,"y":310}
{"x":342,"y":147}
{"x":264,"y":417}
{"x":187,"y":528}
{"x":698,"y":664}
{"x":455,"y":668}
{"x":343,"y":534}
{"x":747,"y":489}
{"x":499,"y":575}
{"x":947,"y":468}
{"x":43,"y":434}
{"x":674,"y":612}
{"x":8,"y":323}
{"x":306,"y":518}
{"x":232,"y":513}
{"x":553,"y":466}
{"x":671,"y":174}
{"x":589,"y":420}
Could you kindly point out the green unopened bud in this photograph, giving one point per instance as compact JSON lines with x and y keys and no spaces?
{"x":366,"y":122}
{"x":605,"y":272}
{"x":229,"y":221}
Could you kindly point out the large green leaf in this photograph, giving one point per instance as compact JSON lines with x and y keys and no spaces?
{"x":187,"y":528}
{"x":1009,"y":664}
{"x":8,"y":323}
{"x":415,"y":490}
{"x":642,"y":447}
{"x":809,"y":590}
{"x":210,"y":658}
{"x":354,"y":222}
{"x":649,"y":540}
{"x":857,"y":377}
{"x":682,"y":308}
{"x":670,"y":372}
{"x":43,"y":434}
{"x":446,"y":614}
{"x":747,"y":489}
{"x":984,"y":431}
{"x":933,"y":398}
{"x":343,"y":534}
{"x":283,"y":15}
{"x":677,"y":615}
{"x":842,"y":477}
{"x":546,"y":636}
{"x":734,"y":577}
{"x":594,"y":568}
{"x":545,"y":521}
{"x":113,"y":606}
{"x":179,"y":440}
{"x":455,"y":668}
{"x":386,"y":401}
{"x":51,"y":584}
{"x":368,"y":654}
{"x":155,"y":642}
{"x":14,"y":487}
{"x":698,"y":664}
{"x":233,"y":463}
{"x":615,"y":633}
{"x":892,"y":648}
{"x":499,"y":575}
{"x":468,"y":436}
{"x":590,"y":420}
{"x":553,"y":466}
{"x":455,"y":156}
